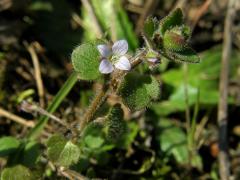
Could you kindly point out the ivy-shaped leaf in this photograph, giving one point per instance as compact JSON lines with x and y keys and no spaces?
{"x":17,"y":172}
{"x":137,"y":90}
{"x":85,"y":60}
{"x":62,"y":152}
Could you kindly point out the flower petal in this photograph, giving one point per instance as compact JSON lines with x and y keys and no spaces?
{"x":104,"y":50}
{"x":120,"y":47}
{"x":123,"y":63}
{"x":153,"y":60}
{"x":105,"y":67}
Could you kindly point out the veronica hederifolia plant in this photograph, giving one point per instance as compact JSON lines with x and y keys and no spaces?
{"x":111,"y":62}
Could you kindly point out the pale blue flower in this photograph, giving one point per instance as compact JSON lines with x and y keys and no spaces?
{"x":114,"y":57}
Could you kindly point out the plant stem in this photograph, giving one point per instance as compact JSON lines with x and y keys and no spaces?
{"x":187,"y":114}
{"x":223,"y":89}
{"x":96,"y":103}
{"x":37,"y":72}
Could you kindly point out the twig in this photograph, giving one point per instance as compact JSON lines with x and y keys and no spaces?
{"x":37,"y":72}
{"x":199,"y":131}
{"x":16,"y":118}
{"x":134,"y":8}
{"x":223,"y":89}
{"x":93,"y":17}
{"x":24,"y":74}
{"x":72,"y":174}
{"x":26,"y":106}
{"x":78,"y":20}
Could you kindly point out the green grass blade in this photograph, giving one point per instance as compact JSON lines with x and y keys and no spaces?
{"x":62,"y":93}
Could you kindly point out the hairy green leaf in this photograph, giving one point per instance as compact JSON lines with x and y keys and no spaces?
{"x":177,"y":49}
{"x":137,"y":90}
{"x":153,"y":88}
{"x":61,"y":151}
{"x":85,"y":60}
{"x":188,"y":55}
{"x":17,"y":172}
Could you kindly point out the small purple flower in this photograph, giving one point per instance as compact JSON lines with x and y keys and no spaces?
{"x":153,"y":60}
{"x":114,"y":58}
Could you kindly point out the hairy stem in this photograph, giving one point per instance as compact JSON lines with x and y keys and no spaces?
{"x":96,"y":103}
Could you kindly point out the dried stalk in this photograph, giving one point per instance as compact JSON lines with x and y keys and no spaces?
{"x":37,"y":72}
{"x":16,"y":118}
{"x":223,"y":88}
